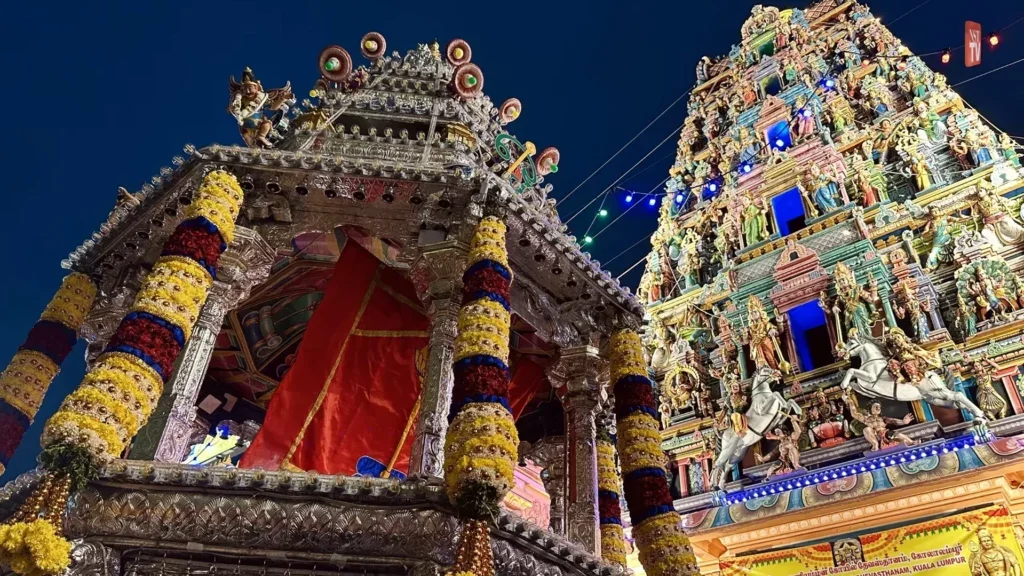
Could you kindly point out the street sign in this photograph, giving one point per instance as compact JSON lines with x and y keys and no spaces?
{"x":972,"y":44}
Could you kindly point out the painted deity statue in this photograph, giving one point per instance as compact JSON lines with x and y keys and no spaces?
{"x":856,"y":302}
{"x":911,"y":307}
{"x":876,"y":426}
{"x":788,"y":449}
{"x":826,"y":426}
{"x":1008,"y":149}
{"x":824,"y":188}
{"x":989,"y":400}
{"x":979,"y":147}
{"x":929,"y":124}
{"x":1000,"y":228}
{"x":990,"y":559}
{"x":258,"y":112}
{"x":919,"y":168}
{"x":866,"y":181}
{"x":942,"y":237}
{"x":755,"y":221}
{"x":806,"y":120}
{"x":966,"y":317}
{"x":689,"y":261}
{"x":986,"y":292}
{"x":763,"y":338}
{"x":909,"y":361}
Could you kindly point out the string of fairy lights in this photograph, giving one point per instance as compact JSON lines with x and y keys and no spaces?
{"x":709,"y":187}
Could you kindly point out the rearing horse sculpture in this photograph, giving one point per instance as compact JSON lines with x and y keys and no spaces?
{"x":767,"y":410}
{"x":874,"y":380}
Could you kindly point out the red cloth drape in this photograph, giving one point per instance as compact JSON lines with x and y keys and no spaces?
{"x":528,"y":379}
{"x":348,"y":404}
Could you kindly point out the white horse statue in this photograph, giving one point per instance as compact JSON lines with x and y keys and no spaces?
{"x":874,"y":380}
{"x":767,"y":411}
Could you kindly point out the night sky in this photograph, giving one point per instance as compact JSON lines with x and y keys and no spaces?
{"x":104,"y":94}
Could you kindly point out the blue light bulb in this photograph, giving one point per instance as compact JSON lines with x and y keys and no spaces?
{"x":629,"y":197}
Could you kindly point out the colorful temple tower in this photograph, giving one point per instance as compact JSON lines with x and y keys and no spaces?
{"x":836,"y":307}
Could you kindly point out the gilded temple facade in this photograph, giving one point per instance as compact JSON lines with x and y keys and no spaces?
{"x":835,"y":318}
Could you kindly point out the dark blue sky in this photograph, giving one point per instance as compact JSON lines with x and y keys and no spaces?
{"x":104,"y":94}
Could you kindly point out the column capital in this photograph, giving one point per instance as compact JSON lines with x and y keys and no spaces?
{"x":437,"y":275}
{"x":437,"y":272}
{"x":247,"y":261}
{"x":582,"y":371}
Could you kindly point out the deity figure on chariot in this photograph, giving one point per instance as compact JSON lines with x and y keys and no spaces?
{"x":260,"y":113}
{"x":762,"y":335}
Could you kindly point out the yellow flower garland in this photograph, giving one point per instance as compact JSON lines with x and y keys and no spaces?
{"x":72,"y":301}
{"x":664,"y":549}
{"x":26,"y":379}
{"x":71,"y":427}
{"x":34,"y":548}
{"x":613,"y":537}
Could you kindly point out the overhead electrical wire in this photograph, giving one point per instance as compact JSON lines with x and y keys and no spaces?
{"x":626,"y":173}
{"x":626,"y":145}
{"x":626,"y":211}
{"x":908,"y":12}
{"x":973,"y":78}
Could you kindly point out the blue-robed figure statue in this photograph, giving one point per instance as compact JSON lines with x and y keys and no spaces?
{"x":824,"y":189}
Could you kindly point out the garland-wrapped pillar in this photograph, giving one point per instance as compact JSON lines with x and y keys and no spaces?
{"x":30,"y":373}
{"x":613,"y":538}
{"x":664,"y":548}
{"x":119,"y":392}
{"x":482,"y":442}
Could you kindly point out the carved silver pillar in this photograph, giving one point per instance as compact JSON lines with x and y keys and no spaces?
{"x":166,"y":435}
{"x":443,"y":263}
{"x":549,"y":454}
{"x":582,"y":372}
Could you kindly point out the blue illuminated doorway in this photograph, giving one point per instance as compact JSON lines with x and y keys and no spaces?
{"x":810,"y":336}
{"x":788,"y":209}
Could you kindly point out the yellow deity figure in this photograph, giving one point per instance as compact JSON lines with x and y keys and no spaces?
{"x":990,"y":559}
{"x":763,"y":336}
{"x":989,"y":400}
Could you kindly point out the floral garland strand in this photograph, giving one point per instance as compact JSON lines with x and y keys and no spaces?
{"x":482,"y":442}
{"x":664,"y":548}
{"x":25,"y":381}
{"x":613,"y":538}
{"x":97,"y":420}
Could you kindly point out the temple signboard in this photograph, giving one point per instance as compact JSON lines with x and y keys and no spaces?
{"x":976,"y":543}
